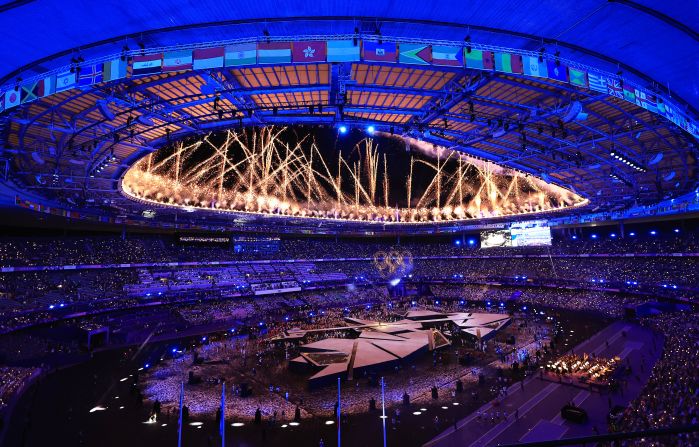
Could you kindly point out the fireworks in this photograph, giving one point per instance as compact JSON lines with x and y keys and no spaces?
{"x":258,"y":172}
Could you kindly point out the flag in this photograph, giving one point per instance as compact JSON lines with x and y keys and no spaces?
{"x":597,"y":82}
{"x":577,"y":77}
{"x":177,"y":61}
{"x":145,"y":65}
{"x":90,"y":74}
{"x":274,"y":53}
{"x":557,"y":71}
{"x":114,"y":69}
{"x":380,"y":52}
{"x":532,"y":67}
{"x":222,"y":422}
{"x":629,"y":94}
{"x":308,"y":52}
{"x":409,"y":53}
{"x":343,"y":51}
{"x":614,"y":88}
{"x":479,"y":60}
{"x":646,"y":100}
{"x":29,"y":92}
{"x":447,"y":56}
{"x":669,"y":112}
{"x":508,"y":63}
{"x":208,"y":58}
{"x":47,"y":86}
{"x":12,"y":98}
{"x":241,"y":54}
{"x":179,"y":421}
{"x":65,"y":81}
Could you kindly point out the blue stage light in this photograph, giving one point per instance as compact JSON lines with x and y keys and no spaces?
{"x":612,"y":235}
{"x":632,"y":234}
{"x":457,"y":242}
{"x":471,"y":242}
{"x":342,"y":129}
{"x":370,"y":130}
{"x":594,"y":236}
{"x":653,"y":232}
{"x":676,"y":230}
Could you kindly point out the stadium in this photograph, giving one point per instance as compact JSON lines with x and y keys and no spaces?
{"x":349,"y":223}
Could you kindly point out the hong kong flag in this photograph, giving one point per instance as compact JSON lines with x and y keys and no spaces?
{"x":308,"y":52}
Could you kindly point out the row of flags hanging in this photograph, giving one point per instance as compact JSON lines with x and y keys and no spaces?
{"x":260,"y":53}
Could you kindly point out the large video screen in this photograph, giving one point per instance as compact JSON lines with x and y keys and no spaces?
{"x":497,"y":238}
{"x":516,"y":237}
{"x":531,"y":237}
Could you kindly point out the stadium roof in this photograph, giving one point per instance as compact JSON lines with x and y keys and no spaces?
{"x":621,"y":153}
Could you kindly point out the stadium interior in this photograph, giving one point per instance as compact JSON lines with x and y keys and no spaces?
{"x":349,"y":223}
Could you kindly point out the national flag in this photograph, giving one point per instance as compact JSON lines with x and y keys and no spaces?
{"x":308,"y":52}
{"x":146,"y":65}
{"x":629,"y":94}
{"x":47,"y":86}
{"x":114,"y":69}
{"x":597,"y":82}
{"x":614,"y":88}
{"x":533,"y":67}
{"x":222,"y":422}
{"x":479,"y":60}
{"x":669,"y":112}
{"x":380,"y":52}
{"x":557,"y":71}
{"x":577,"y":77}
{"x":274,"y":52}
{"x":240,"y":54}
{"x":646,"y":100}
{"x":447,"y":56}
{"x":343,"y":51}
{"x":12,"y":98}
{"x":409,"y":53}
{"x":65,"y":81}
{"x":508,"y":63}
{"x":208,"y":58}
{"x":177,"y":60}
{"x":90,"y":74}
{"x":30,"y":92}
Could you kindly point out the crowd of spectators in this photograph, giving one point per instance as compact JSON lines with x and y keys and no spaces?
{"x":108,"y":250}
{"x":671,"y":396}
